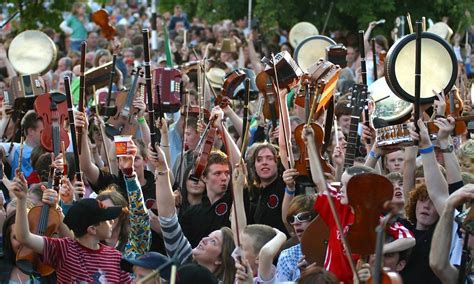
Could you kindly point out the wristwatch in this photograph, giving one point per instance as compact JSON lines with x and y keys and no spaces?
{"x":449,"y":149}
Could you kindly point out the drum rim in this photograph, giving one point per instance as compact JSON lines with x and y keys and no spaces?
{"x":392,"y":55}
{"x":314,"y":37}
{"x":53,"y":58}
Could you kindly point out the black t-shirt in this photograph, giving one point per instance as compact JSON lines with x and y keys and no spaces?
{"x":418,"y":269}
{"x":199,"y":220}
{"x":265,"y":207}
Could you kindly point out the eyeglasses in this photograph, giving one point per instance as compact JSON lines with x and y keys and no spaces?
{"x":300,"y":217}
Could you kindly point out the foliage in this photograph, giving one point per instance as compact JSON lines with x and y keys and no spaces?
{"x":39,"y":13}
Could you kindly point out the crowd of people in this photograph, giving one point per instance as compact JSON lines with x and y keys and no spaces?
{"x":213,"y":201}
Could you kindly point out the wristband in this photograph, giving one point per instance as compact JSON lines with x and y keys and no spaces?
{"x":373,"y":154}
{"x":141,"y":120}
{"x":426,"y":150}
{"x":289,"y":192}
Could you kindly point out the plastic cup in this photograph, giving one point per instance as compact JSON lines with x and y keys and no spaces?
{"x":121,"y":144}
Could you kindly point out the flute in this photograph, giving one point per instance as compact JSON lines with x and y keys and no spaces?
{"x":151,"y":112}
{"x":82,"y":88}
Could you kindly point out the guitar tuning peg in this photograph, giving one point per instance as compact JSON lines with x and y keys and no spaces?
{"x":349,"y":97}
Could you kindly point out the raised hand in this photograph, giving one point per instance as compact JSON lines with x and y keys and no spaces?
{"x":289,"y":178}
{"x":50,"y":196}
{"x":446,"y":127}
{"x":19,"y":186}
{"x":126,"y":162}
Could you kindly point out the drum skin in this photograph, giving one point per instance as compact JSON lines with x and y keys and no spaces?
{"x":311,"y":49}
{"x":438,"y":67}
{"x":388,"y":106}
{"x":300,"y":31}
{"x":32,"y":52}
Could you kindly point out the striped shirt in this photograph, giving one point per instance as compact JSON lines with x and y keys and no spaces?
{"x":176,"y":243}
{"x":75,"y":263}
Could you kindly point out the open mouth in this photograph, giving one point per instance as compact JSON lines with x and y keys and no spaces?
{"x":398,"y":194}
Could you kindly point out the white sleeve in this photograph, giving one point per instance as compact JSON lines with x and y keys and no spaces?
{"x":455,"y":252}
{"x":65,"y":28}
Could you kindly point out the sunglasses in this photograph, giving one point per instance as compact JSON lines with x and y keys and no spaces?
{"x":300,"y":217}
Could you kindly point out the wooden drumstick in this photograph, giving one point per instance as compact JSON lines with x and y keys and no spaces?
{"x":20,"y":157}
{"x":423,"y":20}
{"x":410,"y":26}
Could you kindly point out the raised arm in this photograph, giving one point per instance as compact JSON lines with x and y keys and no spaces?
{"x":441,"y":241}
{"x":451,"y":163}
{"x":89,"y":169}
{"x":238,"y":183}
{"x":409,"y":167}
{"x":23,"y":235}
{"x":435,"y":182}
{"x":234,"y":152}
{"x":268,"y":253}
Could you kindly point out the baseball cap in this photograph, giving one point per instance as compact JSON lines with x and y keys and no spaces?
{"x":88,"y":212}
{"x":150,"y":260}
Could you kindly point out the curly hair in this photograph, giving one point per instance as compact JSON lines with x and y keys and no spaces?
{"x":419,"y":193}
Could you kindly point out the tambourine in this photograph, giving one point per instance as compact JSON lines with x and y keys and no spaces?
{"x":388,"y":106}
{"x":438,"y":67}
{"x":311,"y":49}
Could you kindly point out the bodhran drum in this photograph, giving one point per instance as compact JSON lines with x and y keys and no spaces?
{"x":311,"y":49}
{"x":388,"y":106}
{"x":438,"y":67}
{"x":300,"y":31}
{"x":32,"y":52}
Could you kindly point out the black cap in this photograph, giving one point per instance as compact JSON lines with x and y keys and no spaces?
{"x":88,"y":212}
{"x":150,"y":260}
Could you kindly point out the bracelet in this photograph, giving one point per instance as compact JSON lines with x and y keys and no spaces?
{"x":161,"y":173}
{"x":426,"y":150}
{"x":141,"y":120}
{"x":289,"y":192}
{"x":373,"y":154}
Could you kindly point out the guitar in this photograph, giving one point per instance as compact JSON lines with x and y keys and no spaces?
{"x":357,"y":103}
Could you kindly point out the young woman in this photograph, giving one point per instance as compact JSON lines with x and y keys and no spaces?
{"x":213,"y":252}
{"x":75,"y":25}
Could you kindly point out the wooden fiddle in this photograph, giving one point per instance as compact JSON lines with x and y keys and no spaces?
{"x":367,"y":194}
{"x":43,"y":220}
{"x":203,"y":150}
{"x":270,"y":104}
{"x":101,"y":18}
{"x":232,"y":80}
{"x":454,"y":107}
{"x":52,"y":110}
{"x":123,"y":123}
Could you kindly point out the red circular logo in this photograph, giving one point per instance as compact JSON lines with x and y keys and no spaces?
{"x":221,"y":208}
{"x":272,"y":201}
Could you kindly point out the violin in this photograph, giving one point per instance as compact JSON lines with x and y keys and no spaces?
{"x":101,"y":18}
{"x":454,"y":107}
{"x":270,"y":103}
{"x":232,"y":81}
{"x":43,"y":220}
{"x":367,"y":194}
{"x":52,"y":110}
{"x":123,"y":123}
{"x":204,"y":149}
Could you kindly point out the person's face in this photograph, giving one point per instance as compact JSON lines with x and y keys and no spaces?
{"x":191,"y":138}
{"x":128,"y":57}
{"x":344,"y":180}
{"x":61,"y":65}
{"x":209,"y":249}
{"x":139,"y":163}
{"x":177,"y":10}
{"x":395,"y":161}
{"x":141,"y":273}
{"x":426,"y":214}
{"x":466,"y":164}
{"x":108,"y":203}
{"x":351,"y":55}
{"x":226,"y":57}
{"x":195,"y":187}
{"x":300,"y":221}
{"x":266,"y":165}
{"x":341,"y":139}
{"x":217,"y":178}
{"x":104,"y":229}
{"x":103,"y":60}
{"x":378,"y":48}
{"x":398,"y":196}
{"x":248,"y":251}
{"x":36,"y":133}
{"x":92,"y":39}
{"x":344,"y":122}
{"x":391,"y":261}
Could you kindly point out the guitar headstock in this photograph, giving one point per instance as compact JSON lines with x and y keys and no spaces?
{"x":357,"y":99}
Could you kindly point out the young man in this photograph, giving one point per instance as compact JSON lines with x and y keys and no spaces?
{"x":83,"y":259}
